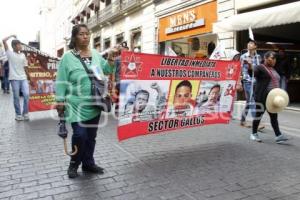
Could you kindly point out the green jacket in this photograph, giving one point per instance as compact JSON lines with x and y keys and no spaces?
{"x":73,"y":86}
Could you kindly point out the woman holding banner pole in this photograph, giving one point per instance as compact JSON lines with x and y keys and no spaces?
{"x":73,"y":96}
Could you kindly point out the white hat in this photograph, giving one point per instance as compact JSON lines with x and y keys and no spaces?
{"x":277,"y":100}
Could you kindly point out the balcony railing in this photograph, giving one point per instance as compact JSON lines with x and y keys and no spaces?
{"x":110,"y":11}
{"x":116,"y":9}
{"x":92,"y":22}
{"x":127,"y":4}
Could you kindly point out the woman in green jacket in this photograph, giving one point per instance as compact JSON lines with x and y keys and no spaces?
{"x":73,"y":97}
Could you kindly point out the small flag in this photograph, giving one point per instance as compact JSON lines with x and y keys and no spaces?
{"x":171,"y":52}
{"x":218,"y":53}
{"x":251,"y":36}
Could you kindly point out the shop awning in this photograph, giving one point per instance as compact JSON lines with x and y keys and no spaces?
{"x":274,"y":16}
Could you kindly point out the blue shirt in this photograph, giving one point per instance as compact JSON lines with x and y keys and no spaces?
{"x":256,"y":60}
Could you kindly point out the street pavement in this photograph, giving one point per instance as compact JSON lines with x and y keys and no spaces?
{"x":215,"y":162}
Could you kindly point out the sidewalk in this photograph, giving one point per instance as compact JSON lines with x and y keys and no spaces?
{"x":239,"y":106}
{"x":216,"y":162}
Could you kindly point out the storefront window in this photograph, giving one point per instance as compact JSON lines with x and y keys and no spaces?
{"x":295,"y":66}
{"x":180,"y":48}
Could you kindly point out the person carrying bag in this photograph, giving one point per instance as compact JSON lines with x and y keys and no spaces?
{"x":99,"y":93}
{"x":76,"y":89}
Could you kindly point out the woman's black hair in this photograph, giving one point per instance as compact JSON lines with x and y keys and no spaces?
{"x":142,"y":92}
{"x":75,"y":31}
{"x":269,"y":53}
{"x":214,"y":86}
{"x":185,"y":83}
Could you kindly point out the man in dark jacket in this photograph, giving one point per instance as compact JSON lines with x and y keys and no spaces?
{"x":283,"y":68}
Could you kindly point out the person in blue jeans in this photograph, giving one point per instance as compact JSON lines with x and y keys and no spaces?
{"x":18,"y":76}
{"x":75,"y":101}
{"x":250,"y":58}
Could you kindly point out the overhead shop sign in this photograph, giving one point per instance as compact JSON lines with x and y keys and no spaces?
{"x":192,"y":21}
{"x":184,"y":21}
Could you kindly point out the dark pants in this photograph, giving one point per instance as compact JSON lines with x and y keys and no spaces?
{"x":84,"y":137}
{"x":5,"y":80}
{"x":260,"y":110}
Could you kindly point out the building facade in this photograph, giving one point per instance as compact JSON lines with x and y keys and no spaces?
{"x":116,"y":21}
{"x":56,"y":27}
{"x":185,"y":27}
{"x":275,"y":26}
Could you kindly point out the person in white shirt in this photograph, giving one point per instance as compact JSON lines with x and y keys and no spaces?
{"x":18,"y":76}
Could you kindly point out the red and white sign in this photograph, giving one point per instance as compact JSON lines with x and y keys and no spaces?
{"x":162,"y":93}
{"x":42,"y":71}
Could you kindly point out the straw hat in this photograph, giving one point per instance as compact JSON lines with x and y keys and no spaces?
{"x":277,"y":100}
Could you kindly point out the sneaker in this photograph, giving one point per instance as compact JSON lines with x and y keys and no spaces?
{"x":280,"y":139}
{"x":72,"y":170}
{"x":255,"y":137}
{"x":26,"y":117}
{"x":19,"y":118}
{"x":93,"y":169}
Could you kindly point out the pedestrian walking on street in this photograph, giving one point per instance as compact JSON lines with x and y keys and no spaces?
{"x":18,"y":76}
{"x":283,"y":68}
{"x":250,"y":58}
{"x":74,"y":101}
{"x":267,"y":79}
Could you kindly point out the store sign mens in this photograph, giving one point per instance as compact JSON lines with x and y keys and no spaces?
{"x":184,"y":21}
{"x":195,"y":20}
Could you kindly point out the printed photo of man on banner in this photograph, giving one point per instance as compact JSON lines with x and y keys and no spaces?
{"x":167,"y":93}
{"x":142,"y":100}
{"x":182,"y":98}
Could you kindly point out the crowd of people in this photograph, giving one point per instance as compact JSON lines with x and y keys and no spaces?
{"x":74,"y":104}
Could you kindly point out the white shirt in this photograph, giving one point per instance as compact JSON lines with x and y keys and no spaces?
{"x":17,"y":62}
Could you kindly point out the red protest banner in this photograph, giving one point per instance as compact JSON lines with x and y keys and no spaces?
{"x":42,"y":71}
{"x":162,"y":93}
